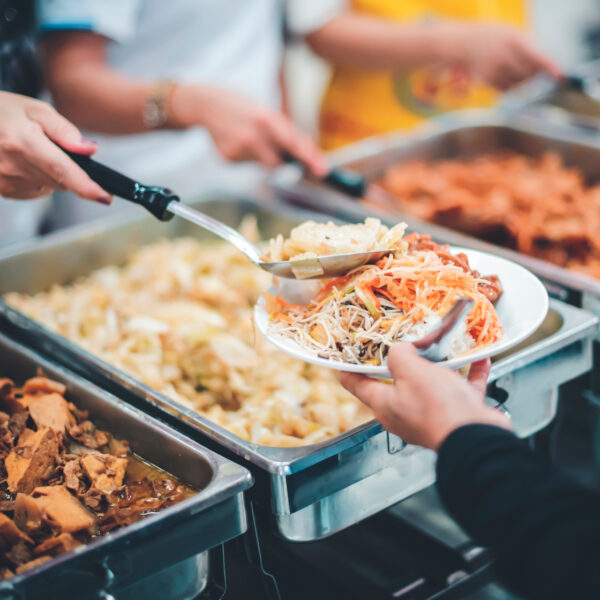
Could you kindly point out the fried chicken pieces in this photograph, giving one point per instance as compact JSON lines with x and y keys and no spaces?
{"x":537,"y":206}
{"x":62,"y":480}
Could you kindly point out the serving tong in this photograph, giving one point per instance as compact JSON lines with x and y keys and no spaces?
{"x":164,"y":204}
{"x":435,"y":345}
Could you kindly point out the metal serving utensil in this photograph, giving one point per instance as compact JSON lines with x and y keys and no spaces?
{"x":163,"y":204}
{"x":333,"y":265}
{"x":435,"y":345}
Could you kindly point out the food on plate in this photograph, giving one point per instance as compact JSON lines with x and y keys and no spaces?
{"x":402,"y":297}
{"x":310,"y":240}
{"x":66,"y":482}
{"x":537,"y":206}
{"x":178,"y":316}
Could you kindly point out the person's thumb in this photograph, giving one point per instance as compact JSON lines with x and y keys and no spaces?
{"x":479,"y":373}
{"x":402,"y":358}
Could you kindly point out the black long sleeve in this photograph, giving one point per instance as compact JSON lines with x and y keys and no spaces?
{"x":543,"y":527}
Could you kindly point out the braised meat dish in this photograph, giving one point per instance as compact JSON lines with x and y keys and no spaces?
{"x":63,"y":481}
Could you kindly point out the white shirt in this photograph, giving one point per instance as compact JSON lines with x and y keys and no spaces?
{"x":233,"y":44}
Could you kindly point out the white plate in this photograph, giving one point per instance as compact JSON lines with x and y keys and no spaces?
{"x":521,"y":309}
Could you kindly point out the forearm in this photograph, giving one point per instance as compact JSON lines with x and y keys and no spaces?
{"x":372,"y":43}
{"x":99,"y":100}
{"x":95,"y":97}
{"x":542,"y":526}
{"x":87,"y":91}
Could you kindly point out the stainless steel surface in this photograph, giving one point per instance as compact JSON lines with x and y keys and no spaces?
{"x":322,"y":267}
{"x":312,"y":490}
{"x":229,"y":234}
{"x":466,"y":133}
{"x":142,"y":554}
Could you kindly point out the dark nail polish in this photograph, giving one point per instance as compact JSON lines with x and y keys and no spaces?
{"x":104,"y":200}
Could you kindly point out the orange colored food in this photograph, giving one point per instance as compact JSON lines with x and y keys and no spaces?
{"x":357,"y":317}
{"x":537,"y":206}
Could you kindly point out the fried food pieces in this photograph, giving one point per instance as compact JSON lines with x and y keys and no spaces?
{"x":537,"y":206}
{"x":311,"y":239}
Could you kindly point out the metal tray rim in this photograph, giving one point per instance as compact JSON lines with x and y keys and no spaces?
{"x":221,"y":487}
{"x":452,"y":121}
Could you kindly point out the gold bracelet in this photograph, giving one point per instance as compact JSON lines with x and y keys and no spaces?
{"x":155,"y":112}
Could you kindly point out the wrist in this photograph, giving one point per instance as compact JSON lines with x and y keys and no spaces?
{"x":487,"y":416}
{"x":178,"y":110}
{"x":189,"y":106}
{"x":156,"y":108}
{"x":448,"y":42}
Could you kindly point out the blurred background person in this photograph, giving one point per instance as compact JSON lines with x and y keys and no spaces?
{"x":397,"y":63}
{"x":173,"y":91}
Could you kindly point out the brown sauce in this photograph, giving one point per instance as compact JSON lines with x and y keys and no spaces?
{"x":63,"y":481}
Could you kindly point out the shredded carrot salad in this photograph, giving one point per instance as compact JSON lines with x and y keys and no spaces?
{"x":356,"y":318}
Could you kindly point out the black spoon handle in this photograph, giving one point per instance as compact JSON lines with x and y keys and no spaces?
{"x":575,"y":82}
{"x":346,"y":181}
{"x":155,"y":199}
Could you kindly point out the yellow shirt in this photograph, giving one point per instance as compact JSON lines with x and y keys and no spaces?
{"x":360,"y":103}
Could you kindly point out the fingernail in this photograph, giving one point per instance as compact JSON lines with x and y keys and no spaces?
{"x":104,"y":200}
{"x":86,"y":141}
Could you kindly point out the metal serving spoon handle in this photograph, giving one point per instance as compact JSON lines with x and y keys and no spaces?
{"x":163,"y":204}
{"x":347,"y":181}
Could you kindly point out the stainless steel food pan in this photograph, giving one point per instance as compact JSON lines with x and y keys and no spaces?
{"x":163,"y":555}
{"x":462,"y":134}
{"x":310,"y":491}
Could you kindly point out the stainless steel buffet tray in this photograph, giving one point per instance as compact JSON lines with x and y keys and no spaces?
{"x":461,"y":134}
{"x":164,"y":554}
{"x":309,"y":491}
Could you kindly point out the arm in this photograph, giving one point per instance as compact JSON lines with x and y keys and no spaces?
{"x":95,"y":96}
{"x":31,"y":165}
{"x":499,"y":55}
{"x":86,"y":90}
{"x":543,"y":527}
{"x":371,"y":43}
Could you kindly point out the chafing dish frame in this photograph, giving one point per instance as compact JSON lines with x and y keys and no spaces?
{"x":310,"y":491}
{"x":128,"y":560}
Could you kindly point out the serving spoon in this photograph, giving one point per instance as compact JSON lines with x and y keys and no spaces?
{"x":163,"y":204}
